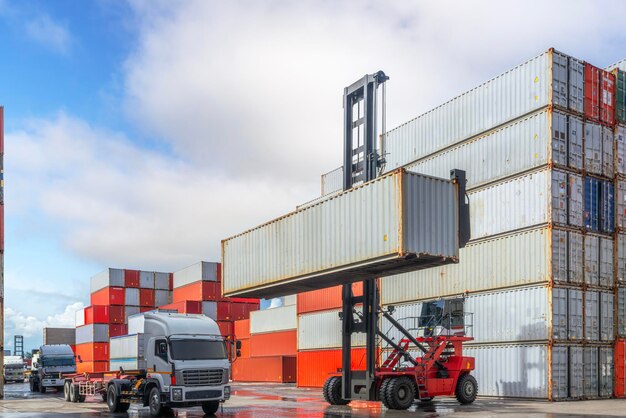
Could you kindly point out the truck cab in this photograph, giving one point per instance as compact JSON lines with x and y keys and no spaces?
{"x":13,"y":369}
{"x":187,"y":365}
{"x":49,"y":367}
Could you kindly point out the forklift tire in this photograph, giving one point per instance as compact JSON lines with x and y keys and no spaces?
{"x":113,"y":401}
{"x":332,"y":391}
{"x":210,"y":408}
{"x":400,"y":393}
{"x":466,"y":389}
{"x":382,"y":392}
{"x":66,"y":391}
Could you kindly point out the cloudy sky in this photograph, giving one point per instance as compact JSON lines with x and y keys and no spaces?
{"x":141,"y":133}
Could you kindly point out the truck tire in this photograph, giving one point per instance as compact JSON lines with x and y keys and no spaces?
{"x":210,"y":408}
{"x":466,"y":389}
{"x":42,"y":388}
{"x":33,"y":385}
{"x":73,"y":393}
{"x":400,"y":393}
{"x":113,"y":401}
{"x":154,"y":402}
{"x":66,"y":391}
{"x":333,"y":391}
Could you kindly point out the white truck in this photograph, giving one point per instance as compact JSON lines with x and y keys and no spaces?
{"x":179,"y":361}
{"x":13,"y":369}
{"x":48,"y":369}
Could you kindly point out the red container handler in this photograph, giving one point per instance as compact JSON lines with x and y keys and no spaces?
{"x":278,"y":369}
{"x":185,"y":307}
{"x":146,"y":298}
{"x":131,"y":278}
{"x":108,"y":296}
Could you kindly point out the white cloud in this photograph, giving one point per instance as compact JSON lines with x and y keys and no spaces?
{"x":52,"y":35}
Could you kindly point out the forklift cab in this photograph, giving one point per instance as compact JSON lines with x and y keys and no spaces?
{"x":443,"y":317}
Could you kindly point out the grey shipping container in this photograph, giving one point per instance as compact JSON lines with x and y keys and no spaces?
{"x":605,"y":367}
{"x":621,"y":258}
{"x":92,"y":333}
{"x":146,"y":279}
{"x":620,"y":204}
{"x":621,"y":311}
{"x":607,"y":152}
{"x":307,"y":249}
{"x":108,"y":278}
{"x":210,"y":309}
{"x":162,"y":297}
{"x":575,"y":314}
{"x":592,"y":260}
{"x":130,"y":311}
{"x":162,"y":281}
{"x":132,"y":296}
{"x":202,"y":271}
{"x":620,"y":149}
{"x":575,"y":372}
{"x":593,"y":148}
{"x":590,"y":372}
{"x":332,"y":181}
{"x":59,"y":336}
{"x":606,"y":262}
{"x":606,"y":316}
{"x":592,"y":315}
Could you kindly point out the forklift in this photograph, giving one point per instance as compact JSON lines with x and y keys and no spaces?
{"x":440,"y":331}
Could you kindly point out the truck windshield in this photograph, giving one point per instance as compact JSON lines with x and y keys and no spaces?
{"x":197,"y":350}
{"x":58,"y":361}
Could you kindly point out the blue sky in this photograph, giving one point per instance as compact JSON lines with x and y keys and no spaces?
{"x":140,"y":133}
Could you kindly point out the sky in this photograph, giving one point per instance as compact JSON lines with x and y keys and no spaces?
{"x":140,"y":133}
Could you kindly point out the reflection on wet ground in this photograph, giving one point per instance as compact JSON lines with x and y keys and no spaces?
{"x":269,"y":400}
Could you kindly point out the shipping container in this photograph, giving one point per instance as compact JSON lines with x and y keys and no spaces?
{"x":282,"y":343}
{"x":146,"y":298}
{"x":592,"y":260}
{"x":162,"y":281}
{"x":620,"y":96}
{"x":146,"y":279}
{"x":593,"y":199}
{"x":607,"y":217}
{"x":97,"y":314}
{"x":241,"y":310}
{"x":202,"y":271}
{"x":184,"y":307}
{"x":619,"y":390}
{"x":162,"y":297}
{"x":605,"y":367}
{"x":277,"y":369}
{"x":592,"y":92}
{"x":128,"y":347}
{"x":620,"y":149}
{"x":590,"y":372}
{"x":314,"y":367}
{"x":607,"y":98}
{"x":608,"y":163}
{"x":59,"y":336}
{"x":273,"y":320}
{"x":575,"y":314}
{"x":275,"y":259}
{"x":92,"y":367}
{"x":592,"y":315}
{"x":108,"y":278}
{"x":606,"y":316}
{"x":108,"y":296}
{"x":92,"y":333}
{"x":620,"y":204}
{"x":198,"y":291}
{"x":79,"y":320}
{"x":621,"y":258}
{"x":132,"y":296}
{"x":576,"y":372}
{"x":226,"y":329}
{"x":332,"y":181}
{"x":324,"y":299}
{"x":131,"y":278}
{"x":242,"y":329}
{"x":320,"y":331}
{"x":115,"y":330}
{"x":130,"y":311}
{"x":210,"y":309}
{"x":92,"y":352}
{"x":245,"y":348}
{"x":606,"y":278}
{"x":593,"y":148}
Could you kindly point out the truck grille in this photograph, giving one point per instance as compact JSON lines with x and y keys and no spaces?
{"x":207,"y":377}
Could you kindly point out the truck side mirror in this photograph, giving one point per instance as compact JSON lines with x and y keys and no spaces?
{"x":80,"y":360}
{"x":238,"y":352}
{"x":238,"y":345}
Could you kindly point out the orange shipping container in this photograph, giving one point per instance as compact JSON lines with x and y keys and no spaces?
{"x":324,"y":299}
{"x":108,"y":296}
{"x":314,"y":367}
{"x":279,"y":369}
{"x":92,"y":366}
{"x":284,"y":343}
{"x":619,"y":363}
{"x":198,"y":291}
{"x":242,"y":329}
{"x":245,"y":348}
{"x":89,"y":352}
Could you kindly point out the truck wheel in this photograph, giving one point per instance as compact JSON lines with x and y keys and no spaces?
{"x":466,"y":389}
{"x":31,"y":383}
{"x":66,"y":391}
{"x":154,"y":402}
{"x":113,"y":401}
{"x":333,"y":391}
{"x":73,"y":393}
{"x":210,"y":408}
{"x":42,"y":388}
{"x":400,"y":393}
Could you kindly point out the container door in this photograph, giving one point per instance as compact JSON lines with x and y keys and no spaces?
{"x":607,"y":96}
{"x":620,"y":204}
{"x":607,"y":207}
{"x":559,"y":255}
{"x":590,"y":372}
{"x":575,"y":314}
{"x":620,"y":149}
{"x":621,"y":311}
{"x":606,"y":262}
{"x":559,"y":139}
{"x":621,"y":258}
{"x":576,"y":85}
{"x":559,"y":197}
{"x":593,"y":148}
{"x":607,"y":152}
{"x":575,"y":372}
{"x":559,"y":80}
{"x":592,"y":255}
{"x":606,"y":316}
{"x":575,"y":200}
{"x":559,"y":314}
{"x":575,"y":142}
{"x":559,"y":372}
{"x":592,"y":316}
{"x":575,"y":258}
{"x":606,"y":371}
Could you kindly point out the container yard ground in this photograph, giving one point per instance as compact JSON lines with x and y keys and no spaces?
{"x":276,"y":400}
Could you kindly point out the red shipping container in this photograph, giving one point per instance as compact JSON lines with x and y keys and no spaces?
{"x":171,"y":281}
{"x":224,"y":311}
{"x":198,"y":291}
{"x":1,"y":226}
{"x":241,"y":310}
{"x":96,"y":314}
{"x":93,"y":352}
{"x":108,"y":296}
{"x":226,"y":328}
{"x":244,"y":300}
{"x":219,"y":273}
{"x":245,"y":348}
{"x":146,"y":298}
{"x":115,"y":330}
{"x":185,"y":307}
{"x":314,"y":367}
{"x":92,"y":366}
{"x":283,"y":343}
{"x":592,"y":92}
{"x":607,"y":98}
{"x":324,"y":299}
{"x":242,"y":329}
{"x":619,"y":365}
{"x":131,"y":278}
{"x":279,"y":369}
{"x":145,"y":309}
{"x":116,"y":314}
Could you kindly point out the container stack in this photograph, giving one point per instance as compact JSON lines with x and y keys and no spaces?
{"x":268,"y":345}
{"x":198,"y":289}
{"x":542,"y":152}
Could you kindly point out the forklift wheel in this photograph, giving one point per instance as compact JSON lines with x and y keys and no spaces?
{"x":466,"y":389}
{"x":332,"y":391}
{"x":382,"y":393}
{"x":400,"y":393}
{"x":427,"y":400}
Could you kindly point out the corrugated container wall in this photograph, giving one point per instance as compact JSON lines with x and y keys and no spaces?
{"x":202,"y":271}
{"x":108,"y":278}
{"x":273,"y":320}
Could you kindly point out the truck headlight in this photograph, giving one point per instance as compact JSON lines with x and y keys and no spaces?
{"x":225,"y":376}
{"x":177,"y":394}
{"x":226,"y":392}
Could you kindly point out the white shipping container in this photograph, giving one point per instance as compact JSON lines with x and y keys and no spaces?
{"x":592,"y":260}
{"x":605,"y":367}
{"x":202,"y":271}
{"x":127,"y":346}
{"x":135,"y":324}
{"x":290,"y":300}
{"x":518,"y":259}
{"x":146,"y":279}
{"x":127,"y":364}
{"x":92,"y":333}
{"x":575,"y":314}
{"x":79,"y":320}
{"x":307,"y":248}
{"x":132,"y":296}
{"x":162,"y":281}
{"x":108,"y":278}
{"x":273,"y":320}
{"x":322,"y":330}
{"x":332,"y":181}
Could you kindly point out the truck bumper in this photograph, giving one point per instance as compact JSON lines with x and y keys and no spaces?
{"x":53,"y":382}
{"x":180,"y":395}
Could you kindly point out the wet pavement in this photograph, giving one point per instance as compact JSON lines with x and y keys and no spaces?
{"x":274,"y":400}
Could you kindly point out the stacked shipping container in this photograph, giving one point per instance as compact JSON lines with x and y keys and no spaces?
{"x":541,"y":150}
